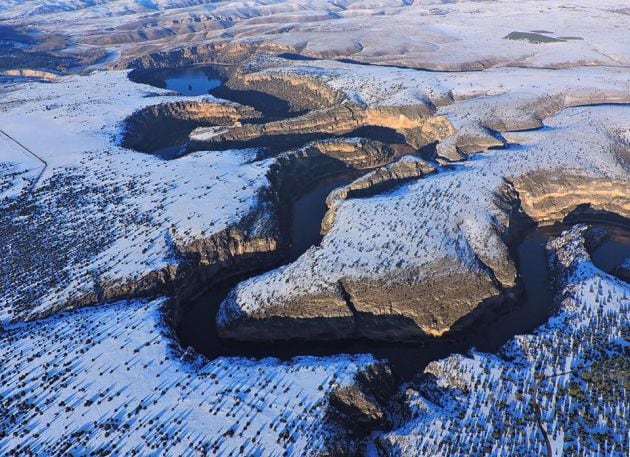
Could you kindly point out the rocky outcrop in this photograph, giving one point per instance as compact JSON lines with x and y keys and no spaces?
{"x":29,"y":73}
{"x":414,"y":124}
{"x":435,"y":298}
{"x":227,"y":253}
{"x":400,"y":307}
{"x":407,"y":168}
{"x":458,"y":148}
{"x":549,"y":197}
{"x":356,"y":153}
{"x":322,"y":316}
{"x":360,"y":407}
{"x":403,"y":308}
{"x":150,"y":128}
{"x":302,"y":93}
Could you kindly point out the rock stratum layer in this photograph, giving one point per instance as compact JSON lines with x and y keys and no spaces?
{"x":411,"y":250}
{"x":413,"y":123}
{"x":404,"y":280}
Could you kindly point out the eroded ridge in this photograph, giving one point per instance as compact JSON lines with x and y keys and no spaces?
{"x":449,"y":172}
{"x":445,"y":256}
{"x":183,"y":33}
{"x":548,"y":391}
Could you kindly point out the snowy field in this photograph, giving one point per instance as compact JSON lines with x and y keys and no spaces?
{"x":434,"y":34}
{"x":537,"y":98}
{"x":102,"y":215}
{"x":575,"y":368}
{"x":110,"y":380}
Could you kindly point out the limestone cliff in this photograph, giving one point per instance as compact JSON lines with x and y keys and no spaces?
{"x":549,"y":197}
{"x":413,"y":123}
{"x":147,"y":128}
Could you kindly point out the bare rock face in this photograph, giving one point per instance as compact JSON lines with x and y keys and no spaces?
{"x":318,"y":317}
{"x":623,"y":271}
{"x":550,"y":197}
{"x":360,"y":407}
{"x":302,"y":93}
{"x":145,"y":127}
{"x":413,"y":123}
{"x":357,"y":153}
{"x":30,"y":73}
{"x":358,"y":410}
{"x":232,"y":251}
{"x":457,"y":149}
{"x":403,"y":308}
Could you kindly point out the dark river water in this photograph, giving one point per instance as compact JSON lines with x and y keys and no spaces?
{"x":309,"y":210}
{"x":197,"y":328}
{"x":614,"y":251}
{"x":211,"y":79}
{"x":191,"y":82}
{"x":202,"y":80}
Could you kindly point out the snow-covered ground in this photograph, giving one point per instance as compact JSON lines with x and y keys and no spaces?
{"x":575,"y":368}
{"x":110,"y":379}
{"x":451,"y":223}
{"x":434,"y":34}
{"x":102,"y":214}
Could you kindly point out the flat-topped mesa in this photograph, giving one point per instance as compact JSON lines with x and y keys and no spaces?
{"x":405,"y":306}
{"x":30,"y":73}
{"x":410,"y":298}
{"x":413,"y":124}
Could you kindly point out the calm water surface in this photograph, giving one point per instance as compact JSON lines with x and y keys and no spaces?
{"x":191,"y":82}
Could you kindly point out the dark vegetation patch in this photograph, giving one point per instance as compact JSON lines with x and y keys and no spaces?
{"x":535,"y":38}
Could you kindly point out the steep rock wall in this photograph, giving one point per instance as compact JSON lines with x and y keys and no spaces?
{"x":144,"y":129}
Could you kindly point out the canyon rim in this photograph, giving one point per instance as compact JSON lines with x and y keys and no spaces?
{"x":280,"y":228}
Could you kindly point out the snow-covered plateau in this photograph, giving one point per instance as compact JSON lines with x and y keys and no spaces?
{"x":246,"y":269}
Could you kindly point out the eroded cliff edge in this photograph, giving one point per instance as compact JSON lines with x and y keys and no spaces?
{"x":444,"y":257}
{"x":540,"y":385}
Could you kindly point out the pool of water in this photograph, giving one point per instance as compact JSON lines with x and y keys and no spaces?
{"x":191,"y":81}
{"x":210,"y":79}
{"x":613,"y":251}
